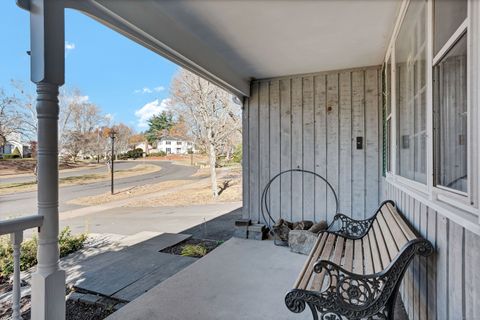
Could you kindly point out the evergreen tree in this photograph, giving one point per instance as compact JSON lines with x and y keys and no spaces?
{"x":159,"y":125}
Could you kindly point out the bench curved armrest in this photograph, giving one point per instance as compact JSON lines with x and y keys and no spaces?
{"x":353,"y":295}
{"x":349,"y":294}
{"x":356,"y":292}
{"x":350,"y":228}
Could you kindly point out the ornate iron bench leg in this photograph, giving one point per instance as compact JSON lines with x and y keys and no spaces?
{"x":314,"y":311}
{"x":390,"y":308}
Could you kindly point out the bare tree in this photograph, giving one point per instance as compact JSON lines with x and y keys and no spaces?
{"x":136,"y":139}
{"x":72,"y":103}
{"x":210,"y":112}
{"x":80,"y":126}
{"x":123,"y":133}
{"x":26,"y":105}
{"x":80,"y":121}
{"x":11,"y":118}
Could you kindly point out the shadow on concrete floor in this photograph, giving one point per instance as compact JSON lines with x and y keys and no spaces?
{"x":220,"y":228}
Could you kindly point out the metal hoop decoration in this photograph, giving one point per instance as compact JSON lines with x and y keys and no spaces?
{"x":264,"y":206}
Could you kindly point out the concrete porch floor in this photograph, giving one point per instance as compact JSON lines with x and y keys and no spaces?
{"x":241,"y":279}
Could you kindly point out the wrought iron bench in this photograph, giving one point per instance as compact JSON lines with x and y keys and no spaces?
{"x":355,"y":267}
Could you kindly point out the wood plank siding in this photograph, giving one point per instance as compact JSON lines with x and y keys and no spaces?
{"x":312,"y":122}
{"x":445,"y":285}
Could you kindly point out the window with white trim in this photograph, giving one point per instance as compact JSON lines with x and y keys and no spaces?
{"x":450,"y":122}
{"x":411,"y":91}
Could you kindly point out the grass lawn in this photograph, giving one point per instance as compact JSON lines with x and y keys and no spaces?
{"x":176,"y":192}
{"x":27,"y":166}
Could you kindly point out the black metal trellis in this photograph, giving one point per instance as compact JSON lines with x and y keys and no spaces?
{"x":264,"y":203}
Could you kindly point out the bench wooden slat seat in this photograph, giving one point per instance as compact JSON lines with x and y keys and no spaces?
{"x":356,"y":266}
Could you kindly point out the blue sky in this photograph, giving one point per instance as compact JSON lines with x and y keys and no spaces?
{"x":124,"y":79}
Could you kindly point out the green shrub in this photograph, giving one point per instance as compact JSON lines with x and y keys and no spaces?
{"x":68,"y":243}
{"x":193,"y":250}
{"x":135,"y":153}
{"x":237,"y":154}
{"x":10,"y":156}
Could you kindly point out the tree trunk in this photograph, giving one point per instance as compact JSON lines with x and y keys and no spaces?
{"x":213,"y":174}
{"x":229,"y":153}
{"x":108,"y":162}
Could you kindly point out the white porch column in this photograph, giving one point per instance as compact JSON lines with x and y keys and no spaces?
{"x":48,"y":282}
{"x":47,"y":71}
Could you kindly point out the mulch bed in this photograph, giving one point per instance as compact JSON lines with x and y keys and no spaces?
{"x":83,"y":311}
{"x":208,"y":244}
{"x":6,"y":284}
{"x":74,"y":310}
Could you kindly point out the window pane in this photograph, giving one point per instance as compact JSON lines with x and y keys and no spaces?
{"x":410,"y":64}
{"x":450,"y":105}
{"x":387,"y":109}
{"x":449,"y":15}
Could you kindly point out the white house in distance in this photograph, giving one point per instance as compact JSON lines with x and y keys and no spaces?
{"x":14,"y":141}
{"x":175,"y":145}
{"x":144,"y":146}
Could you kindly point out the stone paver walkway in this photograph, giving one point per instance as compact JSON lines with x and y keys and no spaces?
{"x":128,"y":272}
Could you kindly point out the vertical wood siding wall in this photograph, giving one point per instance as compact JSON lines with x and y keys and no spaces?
{"x":311,"y":122}
{"x":447,"y":284}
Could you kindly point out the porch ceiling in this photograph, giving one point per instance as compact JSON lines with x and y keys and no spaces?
{"x":232,"y":42}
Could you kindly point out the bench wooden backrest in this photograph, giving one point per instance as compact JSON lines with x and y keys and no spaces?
{"x":387,"y":236}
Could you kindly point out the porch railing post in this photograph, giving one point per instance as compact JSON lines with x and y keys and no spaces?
{"x":48,"y":282}
{"x":16,"y":239}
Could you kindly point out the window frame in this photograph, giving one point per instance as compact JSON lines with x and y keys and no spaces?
{"x":443,"y":193}
{"x":394,"y":176}
{"x":388,"y":117}
{"x":448,"y":201}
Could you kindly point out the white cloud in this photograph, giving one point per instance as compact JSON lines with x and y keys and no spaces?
{"x":68,"y":98}
{"x":148,"y":90}
{"x":149,"y":110}
{"x":143,"y":90}
{"x":82,"y":99}
{"x":69,"y":45}
{"x":109,"y":117}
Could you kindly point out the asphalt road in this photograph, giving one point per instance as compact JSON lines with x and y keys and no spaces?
{"x":25,"y":203}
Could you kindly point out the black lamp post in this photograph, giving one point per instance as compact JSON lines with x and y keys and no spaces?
{"x":112,"y":136}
